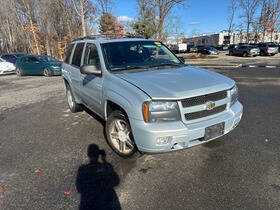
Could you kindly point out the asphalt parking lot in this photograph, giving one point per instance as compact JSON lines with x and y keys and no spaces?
{"x":44,"y":160}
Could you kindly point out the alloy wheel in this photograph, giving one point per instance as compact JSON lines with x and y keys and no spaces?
{"x":120,"y":136}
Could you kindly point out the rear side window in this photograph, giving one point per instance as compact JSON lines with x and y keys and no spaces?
{"x":76,"y":60}
{"x":68,"y":53}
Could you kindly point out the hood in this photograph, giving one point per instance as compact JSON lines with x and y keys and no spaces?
{"x":54,"y":63}
{"x":178,"y":83}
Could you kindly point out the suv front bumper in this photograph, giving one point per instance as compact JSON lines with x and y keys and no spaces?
{"x":167,"y":137}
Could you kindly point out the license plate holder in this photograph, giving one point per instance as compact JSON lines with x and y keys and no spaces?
{"x":214,"y":131}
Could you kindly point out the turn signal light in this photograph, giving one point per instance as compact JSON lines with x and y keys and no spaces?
{"x":145,"y":110}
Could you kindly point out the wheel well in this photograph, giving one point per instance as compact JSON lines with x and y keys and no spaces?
{"x":111,"y":106}
{"x":65,"y":81}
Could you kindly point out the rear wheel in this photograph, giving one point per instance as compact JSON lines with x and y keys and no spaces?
{"x":19,"y":72}
{"x":245,"y":54}
{"x":230,"y":53}
{"x":47,"y":72}
{"x":262,"y":53}
{"x":73,"y":106}
{"x":119,"y":135}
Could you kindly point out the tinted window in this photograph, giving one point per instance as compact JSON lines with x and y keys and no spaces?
{"x":76,"y":60}
{"x":68,"y":53}
{"x":33,"y":59}
{"x":91,"y":56}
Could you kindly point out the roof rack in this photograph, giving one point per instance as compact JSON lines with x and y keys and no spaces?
{"x":108,"y":36}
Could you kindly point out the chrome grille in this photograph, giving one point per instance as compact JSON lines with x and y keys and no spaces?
{"x":198,"y":100}
{"x":205,"y":113}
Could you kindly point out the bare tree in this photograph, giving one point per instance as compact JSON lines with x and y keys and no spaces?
{"x":160,"y":11}
{"x":105,"y":6}
{"x":232,"y":10}
{"x":85,"y":9}
{"x":249,"y":8}
{"x":269,"y":17}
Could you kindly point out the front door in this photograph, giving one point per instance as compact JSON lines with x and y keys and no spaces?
{"x":91,"y":85}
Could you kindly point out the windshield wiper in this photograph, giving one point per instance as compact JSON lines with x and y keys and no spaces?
{"x":128,"y":68}
{"x":165,"y":64}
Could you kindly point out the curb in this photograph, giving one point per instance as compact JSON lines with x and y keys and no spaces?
{"x":214,"y":66}
{"x":261,"y":66}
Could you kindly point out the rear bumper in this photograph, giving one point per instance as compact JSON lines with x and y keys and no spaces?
{"x":180,"y":135}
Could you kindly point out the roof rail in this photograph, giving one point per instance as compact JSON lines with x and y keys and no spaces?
{"x":108,"y":36}
{"x":98,"y":36}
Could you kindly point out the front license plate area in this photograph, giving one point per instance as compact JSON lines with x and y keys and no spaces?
{"x":214,"y":131}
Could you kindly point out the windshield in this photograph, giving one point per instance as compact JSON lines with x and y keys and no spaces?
{"x":137,"y":54}
{"x":47,"y":59}
{"x":272,"y":45}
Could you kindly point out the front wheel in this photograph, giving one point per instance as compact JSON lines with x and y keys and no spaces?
{"x":119,"y":135}
{"x":245,"y":54}
{"x":19,"y":72}
{"x":47,"y":72}
{"x":230,"y":53}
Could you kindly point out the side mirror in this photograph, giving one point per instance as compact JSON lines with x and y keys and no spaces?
{"x":90,"y":69}
{"x":182,"y":59}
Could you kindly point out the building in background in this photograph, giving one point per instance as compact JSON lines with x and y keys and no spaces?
{"x":226,"y":38}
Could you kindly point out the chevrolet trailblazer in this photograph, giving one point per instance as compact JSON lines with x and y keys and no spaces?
{"x":151,"y":101}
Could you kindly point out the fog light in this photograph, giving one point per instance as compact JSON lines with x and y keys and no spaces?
{"x":164,"y":140}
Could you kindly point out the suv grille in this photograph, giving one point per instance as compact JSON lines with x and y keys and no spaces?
{"x":198,"y":100}
{"x":205,"y":113}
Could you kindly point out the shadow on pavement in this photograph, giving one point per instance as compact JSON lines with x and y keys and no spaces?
{"x":96,"y":181}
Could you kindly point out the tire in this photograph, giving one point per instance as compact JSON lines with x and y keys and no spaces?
{"x":245,"y":54}
{"x":73,"y":106}
{"x":19,"y":72}
{"x":262,"y":53}
{"x":230,"y":53}
{"x":119,"y":135}
{"x":47,"y":72}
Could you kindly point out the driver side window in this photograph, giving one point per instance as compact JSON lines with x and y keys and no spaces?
{"x":91,"y":56}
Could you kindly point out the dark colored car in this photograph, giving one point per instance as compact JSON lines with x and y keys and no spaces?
{"x":38,"y":65}
{"x":269,"y":48}
{"x":232,"y":46}
{"x":191,"y":49}
{"x":244,"y":50}
{"x":12,"y":58}
{"x":207,"y":50}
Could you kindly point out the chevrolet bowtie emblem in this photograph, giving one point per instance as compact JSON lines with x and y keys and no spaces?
{"x":210,"y":105}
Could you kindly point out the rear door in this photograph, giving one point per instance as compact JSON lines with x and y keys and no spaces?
{"x":35,"y":66}
{"x":74,"y":68}
{"x":91,"y":85}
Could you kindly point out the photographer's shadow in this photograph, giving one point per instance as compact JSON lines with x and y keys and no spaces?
{"x":96,"y":181}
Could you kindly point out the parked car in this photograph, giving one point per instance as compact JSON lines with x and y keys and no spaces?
{"x":245,"y":51}
{"x":207,"y":50}
{"x":268,"y":49}
{"x":6,"y":67}
{"x":38,"y":65}
{"x":150,"y":100}
{"x":222,"y":47}
{"x":191,"y":49}
{"x":12,"y":58}
{"x":232,"y":46}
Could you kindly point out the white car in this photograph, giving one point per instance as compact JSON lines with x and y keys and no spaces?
{"x":6,"y":67}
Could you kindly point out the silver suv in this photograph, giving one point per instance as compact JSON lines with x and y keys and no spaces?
{"x":151,"y":101}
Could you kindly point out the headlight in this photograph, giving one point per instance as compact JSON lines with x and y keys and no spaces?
{"x":161,"y":111}
{"x":233,"y":95}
